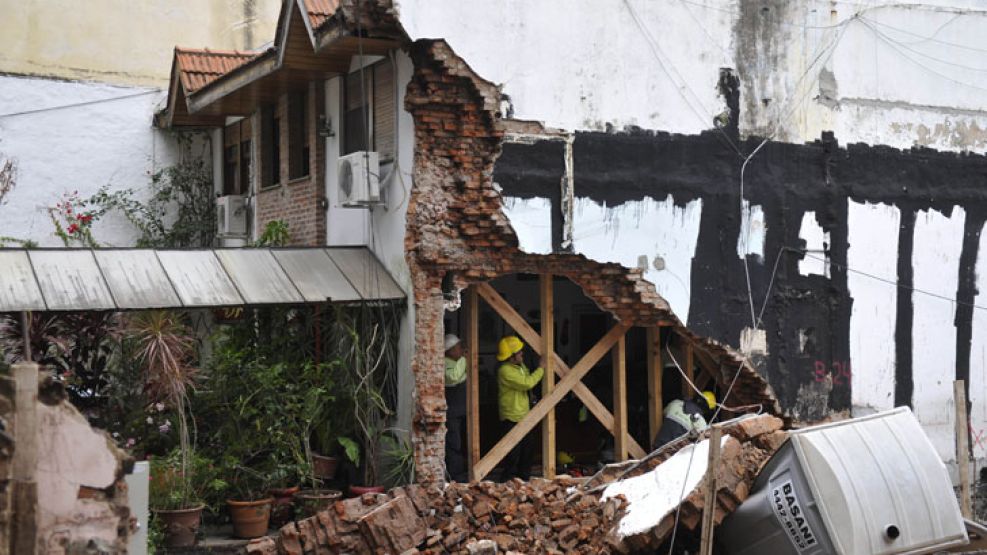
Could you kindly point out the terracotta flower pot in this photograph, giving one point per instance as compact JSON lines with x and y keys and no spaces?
{"x":180,"y":525}
{"x":283,"y":508}
{"x":310,"y":501}
{"x":357,"y":491}
{"x":324,"y":467}
{"x":250,"y":518}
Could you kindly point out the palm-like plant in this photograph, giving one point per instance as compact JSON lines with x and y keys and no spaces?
{"x":165,"y":350}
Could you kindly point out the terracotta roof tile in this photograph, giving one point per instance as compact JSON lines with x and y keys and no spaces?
{"x":198,"y":68}
{"x":320,"y":10}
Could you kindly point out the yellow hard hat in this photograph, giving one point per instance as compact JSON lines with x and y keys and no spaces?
{"x":507,"y":347}
{"x":710,"y":399}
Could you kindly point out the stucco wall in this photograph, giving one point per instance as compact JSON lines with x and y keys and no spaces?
{"x":119,"y":41}
{"x":77,"y":136}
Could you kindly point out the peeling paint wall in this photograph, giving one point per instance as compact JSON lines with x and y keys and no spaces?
{"x":117,"y":41}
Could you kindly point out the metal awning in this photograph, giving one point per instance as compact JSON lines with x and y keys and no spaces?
{"x":135,"y":279}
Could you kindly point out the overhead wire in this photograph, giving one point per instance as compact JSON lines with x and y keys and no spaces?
{"x":900,"y":51}
{"x":657,"y":52}
{"x":906,"y":46}
{"x":78,"y":104}
{"x":931,"y":38}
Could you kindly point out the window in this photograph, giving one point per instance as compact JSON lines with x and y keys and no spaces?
{"x":375,"y":99}
{"x":298,"y":147}
{"x":270,"y":147}
{"x":236,"y":158}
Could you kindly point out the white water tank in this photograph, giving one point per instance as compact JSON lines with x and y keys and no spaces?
{"x":866,"y":486}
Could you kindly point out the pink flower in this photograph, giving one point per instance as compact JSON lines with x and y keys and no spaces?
{"x":131,"y":442}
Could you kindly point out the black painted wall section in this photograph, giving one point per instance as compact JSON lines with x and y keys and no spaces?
{"x":535,"y":170}
{"x":788,"y":181}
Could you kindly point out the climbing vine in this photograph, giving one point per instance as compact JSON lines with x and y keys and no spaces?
{"x":180,"y":211}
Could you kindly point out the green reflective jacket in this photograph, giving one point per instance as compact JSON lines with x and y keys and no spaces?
{"x":513,"y":383}
{"x":455,"y":371}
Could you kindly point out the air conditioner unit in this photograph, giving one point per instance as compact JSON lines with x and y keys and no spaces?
{"x":231,"y":215}
{"x":359,"y":183}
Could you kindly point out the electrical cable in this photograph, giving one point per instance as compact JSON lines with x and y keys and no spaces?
{"x":78,"y":104}
{"x":886,"y":280}
{"x":658,"y":54}
{"x":928,"y":38}
{"x":920,"y":64}
{"x":887,"y":38}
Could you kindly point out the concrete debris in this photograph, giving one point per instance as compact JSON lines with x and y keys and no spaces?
{"x":661,"y":489}
{"x":539,"y":516}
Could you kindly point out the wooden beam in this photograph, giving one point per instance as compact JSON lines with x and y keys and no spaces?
{"x":655,"y":373}
{"x":620,"y":400}
{"x":690,"y":371}
{"x":521,"y":429}
{"x":473,"y":380}
{"x":532,"y":338}
{"x":962,"y":447}
{"x":548,"y":382}
{"x":709,"y":503}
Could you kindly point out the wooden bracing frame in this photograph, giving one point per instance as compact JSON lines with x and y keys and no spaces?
{"x":569,"y":380}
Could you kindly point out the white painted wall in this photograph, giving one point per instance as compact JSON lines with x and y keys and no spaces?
{"x":873,"y":250}
{"x":903,"y":72}
{"x":80,"y":137}
{"x":978,"y":358}
{"x":584,"y":64}
{"x":388,"y":232}
{"x":936,"y":265}
{"x":382,"y":228}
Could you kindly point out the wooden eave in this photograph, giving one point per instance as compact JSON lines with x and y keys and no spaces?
{"x":176,"y":113}
{"x":289,"y":66}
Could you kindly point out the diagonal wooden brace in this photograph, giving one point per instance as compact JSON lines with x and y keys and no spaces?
{"x":533,"y":339}
{"x":521,"y":429}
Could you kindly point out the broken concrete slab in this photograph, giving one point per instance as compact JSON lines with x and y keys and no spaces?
{"x":669,"y":484}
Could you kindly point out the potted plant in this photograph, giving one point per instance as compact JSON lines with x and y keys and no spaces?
{"x":249,"y":504}
{"x":367,"y":350}
{"x":164,"y":349}
{"x":177,"y":499}
{"x":312,"y":411}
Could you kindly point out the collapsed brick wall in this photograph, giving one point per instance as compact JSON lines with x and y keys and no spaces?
{"x":456,"y":225}
{"x":298,"y":202}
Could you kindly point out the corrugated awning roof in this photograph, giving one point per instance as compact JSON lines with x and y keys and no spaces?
{"x":135,"y":279}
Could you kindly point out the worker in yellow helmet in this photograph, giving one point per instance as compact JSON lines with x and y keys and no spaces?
{"x":683,"y":416}
{"x":514,"y":381}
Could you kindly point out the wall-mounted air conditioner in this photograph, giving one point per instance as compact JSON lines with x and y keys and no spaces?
{"x":359,"y":184}
{"x":231,"y":215}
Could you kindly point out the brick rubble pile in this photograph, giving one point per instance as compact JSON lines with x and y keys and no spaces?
{"x":539,"y":516}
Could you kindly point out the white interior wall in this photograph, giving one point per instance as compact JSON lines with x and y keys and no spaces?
{"x":655,"y":235}
{"x":873,"y":249}
{"x":935,"y":260}
{"x":978,"y":358}
{"x":531,"y":219}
